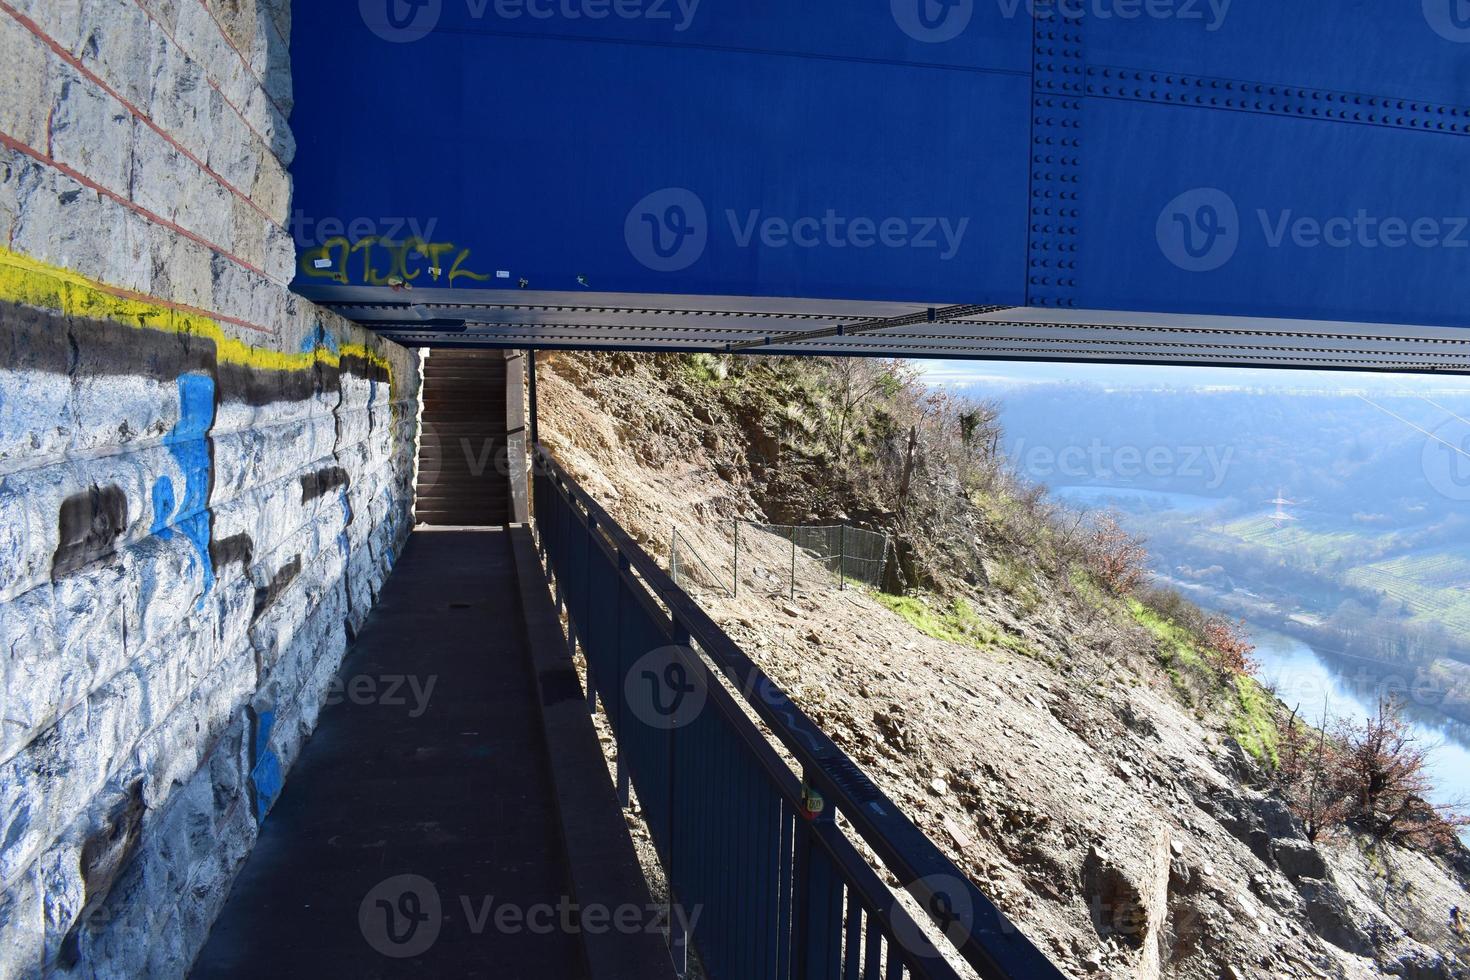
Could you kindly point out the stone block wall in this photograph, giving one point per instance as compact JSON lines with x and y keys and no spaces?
{"x":204,"y":480}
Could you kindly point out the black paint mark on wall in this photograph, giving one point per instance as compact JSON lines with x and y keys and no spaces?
{"x":90,"y":523}
{"x":284,"y":576}
{"x":323,"y":482}
{"x":236,"y":548}
{"x":109,"y":847}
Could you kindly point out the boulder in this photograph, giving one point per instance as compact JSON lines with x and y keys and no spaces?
{"x":1331,"y":917}
{"x":1299,"y":859}
{"x":1129,"y":895}
{"x":1257,"y":822}
{"x":1420,"y":965}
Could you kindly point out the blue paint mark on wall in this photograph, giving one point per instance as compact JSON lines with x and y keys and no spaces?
{"x":188,"y":444}
{"x":320,"y":337}
{"x":266,"y":775}
{"x":164,"y":505}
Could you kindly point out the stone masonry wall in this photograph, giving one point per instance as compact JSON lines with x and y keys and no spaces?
{"x":204,"y":480}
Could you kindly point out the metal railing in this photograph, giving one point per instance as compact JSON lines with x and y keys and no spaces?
{"x":781,"y":889}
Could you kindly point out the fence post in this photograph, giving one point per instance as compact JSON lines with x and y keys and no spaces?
{"x":735,"y":592}
{"x":842,"y":560}
{"x":793,"y":564}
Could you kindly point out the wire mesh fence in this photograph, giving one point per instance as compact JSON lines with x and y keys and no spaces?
{"x":779,"y":559}
{"x":693,"y":574}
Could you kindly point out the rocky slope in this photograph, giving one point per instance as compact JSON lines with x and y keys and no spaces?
{"x":1037,"y":731}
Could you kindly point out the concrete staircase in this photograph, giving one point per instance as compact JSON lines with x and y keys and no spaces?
{"x":465,"y":445}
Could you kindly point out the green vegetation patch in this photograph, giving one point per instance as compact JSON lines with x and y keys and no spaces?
{"x":1017,"y":582}
{"x":957,"y":623}
{"x":1177,"y":647}
{"x":1253,"y":721}
{"x":708,"y":368}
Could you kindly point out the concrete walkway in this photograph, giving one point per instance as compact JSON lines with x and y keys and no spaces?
{"x":419,"y":833}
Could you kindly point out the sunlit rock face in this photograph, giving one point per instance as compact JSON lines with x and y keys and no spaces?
{"x":204,"y":480}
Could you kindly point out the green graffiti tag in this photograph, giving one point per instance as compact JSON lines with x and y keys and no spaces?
{"x":388,"y":263}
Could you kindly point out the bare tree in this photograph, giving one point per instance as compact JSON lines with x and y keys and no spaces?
{"x":855,"y":382}
{"x":1309,"y":777}
{"x":1231,"y":645}
{"x":1117,"y":558}
{"x":1386,"y":770}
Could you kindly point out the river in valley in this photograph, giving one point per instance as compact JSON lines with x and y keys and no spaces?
{"x":1303,"y":677}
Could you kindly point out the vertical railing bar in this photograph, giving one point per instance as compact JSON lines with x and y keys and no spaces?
{"x":586,"y":598}
{"x":745,"y":886}
{"x":706,"y":729}
{"x":895,"y":969}
{"x":801,"y":900}
{"x":819,"y":955}
{"x":873,"y":947}
{"x":766,"y":858}
{"x":621,"y":736}
{"x":853,"y":939}
{"x":679,"y":939}
{"x":727,"y":771}
{"x":784,"y":871}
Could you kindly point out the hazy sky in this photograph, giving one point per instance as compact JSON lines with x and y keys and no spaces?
{"x":999,"y":375}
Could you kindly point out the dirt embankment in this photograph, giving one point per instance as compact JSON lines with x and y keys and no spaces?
{"x":1065,"y":773}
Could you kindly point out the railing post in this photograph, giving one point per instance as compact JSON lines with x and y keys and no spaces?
{"x":735,"y":591}
{"x":810,"y":894}
{"x":624,"y":569}
{"x":587,"y":600}
{"x":535,"y":420}
{"x":678,"y":937}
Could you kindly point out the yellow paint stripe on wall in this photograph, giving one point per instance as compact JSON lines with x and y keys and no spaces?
{"x":31,"y":282}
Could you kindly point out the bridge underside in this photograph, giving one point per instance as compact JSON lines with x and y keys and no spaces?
{"x":524,"y":319}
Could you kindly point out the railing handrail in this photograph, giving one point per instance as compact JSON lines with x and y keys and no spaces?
{"x":991,"y":943}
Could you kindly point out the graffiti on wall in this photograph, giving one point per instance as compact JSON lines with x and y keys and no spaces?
{"x":126,"y":335}
{"x":379,"y":261}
